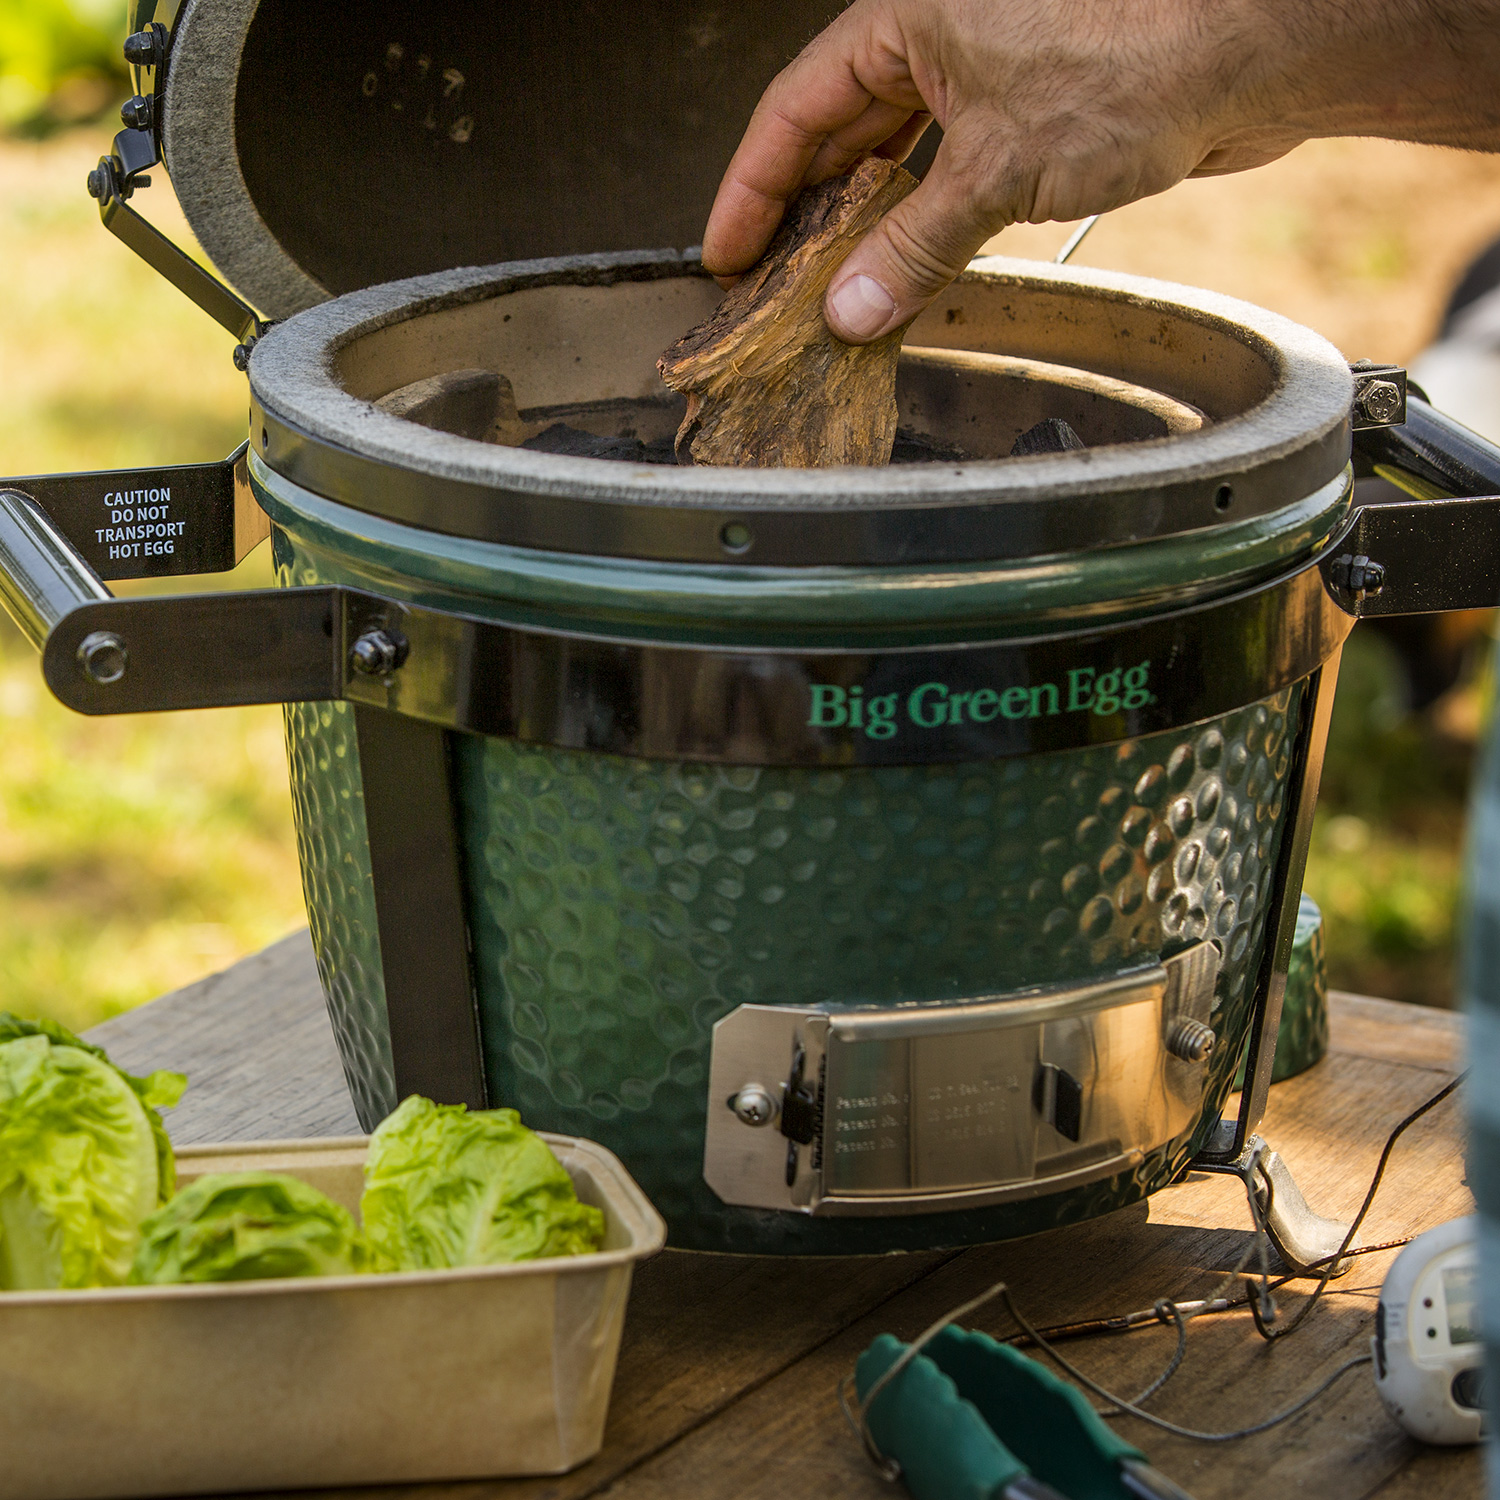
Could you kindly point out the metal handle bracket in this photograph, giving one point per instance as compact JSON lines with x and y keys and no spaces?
{"x":153,"y":523}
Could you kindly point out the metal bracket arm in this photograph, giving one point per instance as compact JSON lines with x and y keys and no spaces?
{"x":112,"y":182}
{"x":1439,"y":550}
{"x":1442,"y":456}
{"x":1419,"y":557}
{"x":110,"y":656}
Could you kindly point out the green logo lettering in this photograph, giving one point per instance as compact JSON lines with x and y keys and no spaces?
{"x":881,"y":716}
{"x":921,"y":713}
{"x":828,"y":710}
{"x":1080,"y":688}
{"x":1135,"y":695}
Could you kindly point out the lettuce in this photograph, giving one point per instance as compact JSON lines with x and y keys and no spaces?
{"x":248,"y":1226}
{"x":83,"y":1158}
{"x":446,"y":1186}
{"x":158,"y":1090}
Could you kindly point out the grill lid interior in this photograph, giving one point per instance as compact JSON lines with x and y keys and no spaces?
{"x":318,"y":150}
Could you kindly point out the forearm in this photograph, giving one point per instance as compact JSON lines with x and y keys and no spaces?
{"x":1054,"y":109}
{"x":1410,"y":70}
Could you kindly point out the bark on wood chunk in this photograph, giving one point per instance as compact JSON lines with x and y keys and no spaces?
{"x":768,"y":385}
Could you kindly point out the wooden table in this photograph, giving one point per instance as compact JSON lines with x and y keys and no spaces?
{"x":727,"y":1375}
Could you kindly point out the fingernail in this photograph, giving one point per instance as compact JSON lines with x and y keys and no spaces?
{"x":860,"y":307}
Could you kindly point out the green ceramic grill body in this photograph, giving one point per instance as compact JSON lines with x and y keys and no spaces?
{"x":620,"y":906}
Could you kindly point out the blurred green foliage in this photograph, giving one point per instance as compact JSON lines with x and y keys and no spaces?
{"x":136,"y":853}
{"x":1385,"y":858}
{"x":60,"y":62}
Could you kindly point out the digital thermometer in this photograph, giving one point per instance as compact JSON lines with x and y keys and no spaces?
{"x":1428,"y":1347}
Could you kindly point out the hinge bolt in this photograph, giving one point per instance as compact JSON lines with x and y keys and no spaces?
{"x":1360,"y":576}
{"x":101,"y":181}
{"x":377,"y":653}
{"x":102,"y":655}
{"x":143,"y":50}
{"x":1190,"y":1039}
{"x":137,"y":113}
{"x":1379,"y":400}
{"x":754,"y":1105}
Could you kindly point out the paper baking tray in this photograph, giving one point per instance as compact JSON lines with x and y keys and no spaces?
{"x":257,"y":1385}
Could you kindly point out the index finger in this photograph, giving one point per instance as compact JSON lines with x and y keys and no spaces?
{"x":816,"y":96}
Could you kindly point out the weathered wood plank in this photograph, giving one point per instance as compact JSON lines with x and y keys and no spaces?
{"x":1385,"y":1029}
{"x":1436,"y":1474}
{"x":727,"y":1375}
{"x":787,"y":1437}
{"x":257,"y":1047}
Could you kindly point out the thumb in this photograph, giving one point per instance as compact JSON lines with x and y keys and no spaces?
{"x":912,"y":254}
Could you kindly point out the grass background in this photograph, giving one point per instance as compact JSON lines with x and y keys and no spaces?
{"x":141,"y":852}
{"x":137,"y":854}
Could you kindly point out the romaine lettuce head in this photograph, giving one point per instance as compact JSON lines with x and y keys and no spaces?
{"x":248,"y":1226}
{"x":79,"y":1165}
{"x":159,"y":1090}
{"x":447,"y":1186}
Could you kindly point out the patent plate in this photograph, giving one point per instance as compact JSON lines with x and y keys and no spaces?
{"x":928,"y":1107}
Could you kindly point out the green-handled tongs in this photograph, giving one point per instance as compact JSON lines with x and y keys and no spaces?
{"x":968,"y":1418}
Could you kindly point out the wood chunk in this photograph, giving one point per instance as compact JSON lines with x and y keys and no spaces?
{"x":768,"y":385}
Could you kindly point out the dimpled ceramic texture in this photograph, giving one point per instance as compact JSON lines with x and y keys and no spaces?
{"x":328,"y":808}
{"x":620,"y":908}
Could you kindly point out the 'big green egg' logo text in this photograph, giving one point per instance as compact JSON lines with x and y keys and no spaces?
{"x":934,"y":705}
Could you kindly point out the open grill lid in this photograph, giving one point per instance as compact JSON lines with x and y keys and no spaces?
{"x":318,"y":149}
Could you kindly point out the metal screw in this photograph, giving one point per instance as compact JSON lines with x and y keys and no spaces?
{"x":137,"y":113}
{"x":1379,"y":400}
{"x":754,"y":1105}
{"x":143,"y":50}
{"x":1359,"y":575}
{"x":1191,"y":1040}
{"x":242,"y":355}
{"x":102,"y":655}
{"x":377,"y":653}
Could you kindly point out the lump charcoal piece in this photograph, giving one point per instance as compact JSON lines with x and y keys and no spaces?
{"x":1050,"y":435}
{"x":913,"y":447}
{"x":662,"y":450}
{"x":768,"y":385}
{"x":574,"y":442}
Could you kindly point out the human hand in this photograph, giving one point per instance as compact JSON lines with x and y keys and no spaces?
{"x":1056,"y":109}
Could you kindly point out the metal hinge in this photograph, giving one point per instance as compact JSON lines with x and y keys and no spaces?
{"x":137,"y":149}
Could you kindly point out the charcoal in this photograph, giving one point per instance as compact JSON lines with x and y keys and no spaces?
{"x":913,"y":447}
{"x":573,"y":442}
{"x":1050,"y":435}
